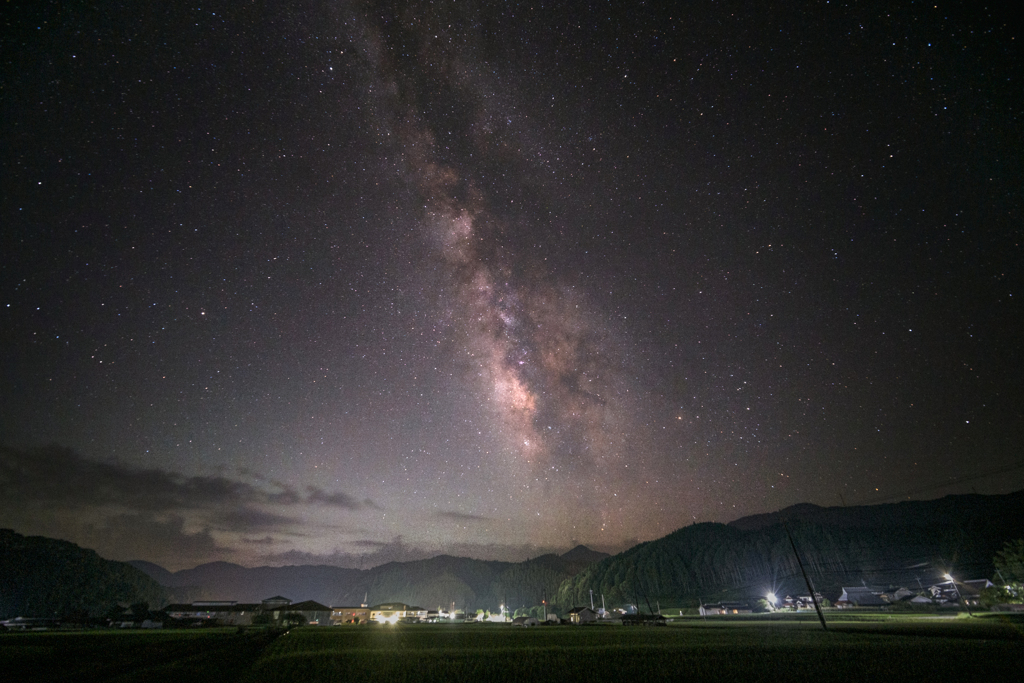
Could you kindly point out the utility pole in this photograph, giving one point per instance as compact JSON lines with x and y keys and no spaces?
{"x":807,"y":579}
{"x":960,"y":595}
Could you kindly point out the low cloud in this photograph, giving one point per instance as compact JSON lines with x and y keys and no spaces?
{"x":266,"y":540}
{"x":338,"y":499}
{"x":461,"y":517}
{"x":126,"y":512}
{"x":60,"y":476}
{"x":141,"y":536}
{"x":377,"y":553}
{"x":251,"y":519}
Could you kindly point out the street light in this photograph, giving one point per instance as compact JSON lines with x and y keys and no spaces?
{"x":958,"y":594}
{"x":772,"y":600}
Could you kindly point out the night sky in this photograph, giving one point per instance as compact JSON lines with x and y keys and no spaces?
{"x":347,"y":282}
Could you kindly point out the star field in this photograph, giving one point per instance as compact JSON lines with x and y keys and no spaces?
{"x":350,"y":281}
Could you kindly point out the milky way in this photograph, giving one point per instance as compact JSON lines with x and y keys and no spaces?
{"x":352,"y":282}
{"x":545,"y":363}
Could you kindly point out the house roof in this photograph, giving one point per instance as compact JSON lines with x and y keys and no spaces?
{"x":222,"y":607}
{"x":309,"y":606}
{"x":849,"y":590}
{"x":864,"y":596}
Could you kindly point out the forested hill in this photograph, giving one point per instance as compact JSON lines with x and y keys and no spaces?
{"x":884,"y":544}
{"x":43,"y":577}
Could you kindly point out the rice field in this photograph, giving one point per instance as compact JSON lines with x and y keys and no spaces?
{"x":902,"y":649}
{"x":695,"y":650}
{"x":220,"y":655}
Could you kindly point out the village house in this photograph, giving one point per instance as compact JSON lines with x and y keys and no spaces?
{"x":720,"y":608}
{"x":801,"y":601}
{"x":275,"y":606}
{"x":582,"y":615}
{"x":393,"y":612}
{"x":861,"y":596}
{"x":231,"y":613}
{"x":350,"y":615}
{"x":313,"y":612}
{"x":969,"y":591}
{"x":223,"y":612}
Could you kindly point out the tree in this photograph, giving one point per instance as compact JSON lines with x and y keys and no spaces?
{"x":115,"y":613}
{"x":998,"y":595}
{"x":1009,"y":561}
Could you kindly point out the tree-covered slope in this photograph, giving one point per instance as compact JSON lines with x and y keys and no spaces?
{"x":477,"y":584}
{"x":902,"y":543}
{"x":43,"y":577}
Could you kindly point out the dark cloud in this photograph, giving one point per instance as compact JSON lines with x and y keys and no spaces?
{"x":60,"y":476}
{"x":337,"y":499}
{"x":377,"y":553}
{"x":266,"y":540}
{"x":252,"y":519}
{"x":453,"y":516}
{"x":166,"y":542}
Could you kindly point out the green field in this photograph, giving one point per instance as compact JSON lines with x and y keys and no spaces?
{"x":152,"y":656}
{"x":904,"y":649}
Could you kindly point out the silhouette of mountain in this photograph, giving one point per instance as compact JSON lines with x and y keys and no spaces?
{"x":581,"y":556}
{"x":44,"y":577}
{"x":900,"y":543}
{"x":435,"y":582}
{"x":928,"y":513}
{"x":154,"y":571}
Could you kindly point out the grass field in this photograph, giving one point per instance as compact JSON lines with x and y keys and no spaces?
{"x":127,"y":656}
{"x":903,"y":649}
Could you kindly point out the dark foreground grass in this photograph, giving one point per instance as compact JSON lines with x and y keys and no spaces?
{"x":222,"y":655}
{"x":938,"y":651}
{"x":717,"y":650}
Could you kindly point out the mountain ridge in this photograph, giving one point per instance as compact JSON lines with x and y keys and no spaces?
{"x":436,"y":581}
{"x":47,"y":577}
{"x":893,"y":543}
